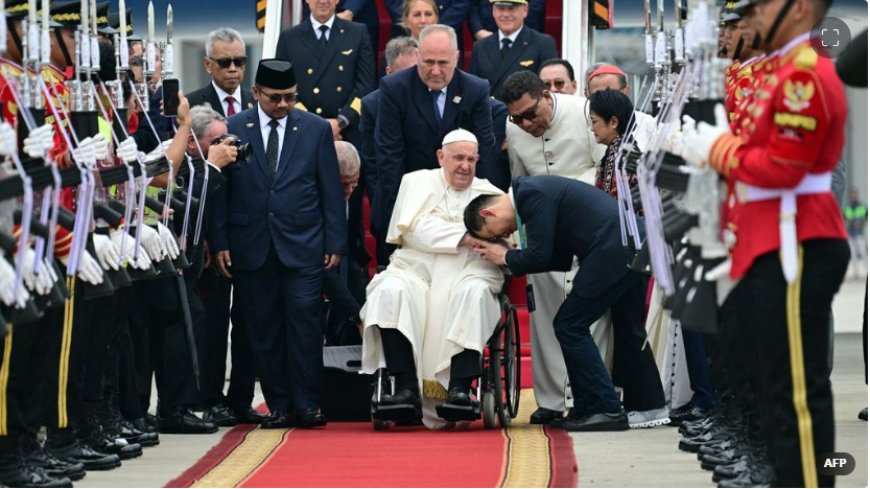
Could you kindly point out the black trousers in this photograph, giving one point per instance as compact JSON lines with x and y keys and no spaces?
{"x":282,"y":316}
{"x":215,"y":291}
{"x":399,"y":355}
{"x":788,"y":323}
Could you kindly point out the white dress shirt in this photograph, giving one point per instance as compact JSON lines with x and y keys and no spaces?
{"x":442,"y":99}
{"x":265,"y":129}
{"x":512,"y":37}
{"x":222,"y":96}
{"x":316,"y":25}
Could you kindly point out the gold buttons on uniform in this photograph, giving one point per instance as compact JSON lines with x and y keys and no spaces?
{"x":318,"y":111}
{"x":340,"y":67}
{"x":338,"y":89}
{"x":310,"y":71}
{"x":316,"y":90}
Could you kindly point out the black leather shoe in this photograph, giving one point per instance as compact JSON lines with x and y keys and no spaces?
{"x":758,"y":475}
{"x":544,"y":416}
{"x":458,"y":397}
{"x":16,"y":472}
{"x":36,"y":455}
{"x":597,"y":422}
{"x":220,"y":415}
{"x":403,"y":396}
{"x":277,"y":420}
{"x":134,"y":435}
{"x":248,"y":415}
{"x":72,"y":451}
{"x":310,"y":418}
{"x":863,"y":414}
{"x":686,"y":413}
{"x":182,"y":421}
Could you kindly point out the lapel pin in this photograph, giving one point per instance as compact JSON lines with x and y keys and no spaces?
{"x":250,"y":124}
{"x":295,"y":128}
{"x":457,"y":99}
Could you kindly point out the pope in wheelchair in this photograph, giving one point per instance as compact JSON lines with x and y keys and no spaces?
{"x":428,"y":316}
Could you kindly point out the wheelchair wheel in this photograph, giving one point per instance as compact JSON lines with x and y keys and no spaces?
{"x":489,"y":409}
{"x":496,"y":359}
{"x":511,"y":363}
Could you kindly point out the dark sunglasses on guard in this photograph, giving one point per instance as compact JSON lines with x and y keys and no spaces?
{"x":226,"y":62}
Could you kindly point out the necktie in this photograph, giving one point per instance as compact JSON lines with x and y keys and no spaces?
{"x":505,"y":46}
{"x":435,"y":95}
{"x":231,"y":105}
{"x":272,"y":147}
{"x":323,"y":39}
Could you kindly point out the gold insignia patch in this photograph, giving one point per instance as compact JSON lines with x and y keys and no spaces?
{"x":787,"y":119}
{"x":527,"y":63}
{"x":347,"y":53}
{"x":798,"y":95}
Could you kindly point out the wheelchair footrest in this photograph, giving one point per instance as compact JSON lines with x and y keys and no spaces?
{"x":459,"y":412}
{"x":400,"y":413}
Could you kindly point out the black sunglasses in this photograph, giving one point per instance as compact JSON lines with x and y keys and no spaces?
{"x":528,"y":115}
{"x":226,"y":62}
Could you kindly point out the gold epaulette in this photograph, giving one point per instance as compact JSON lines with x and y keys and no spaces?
{"x":806,"y":58}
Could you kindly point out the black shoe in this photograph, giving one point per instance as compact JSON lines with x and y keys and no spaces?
{"x":16,"y":472}
{"x":277,"y":420}
{"x":36,"y":455}
{"x":686,"y":413}
{"x":134,"y":435}
{"x":248,"y":415}
{"x":863,"y":415}
{"x":458,"y":396}
{"x":220,"y":415}
{"x":151,"y":421}
{"x":403,"y":396}
{"x":182,"y":421}
{"x":544,"y":416}
{"x":310,"y":418}
{"x":758,"y":475}
{"x":597,"y":422}
{"x":71,"y":451}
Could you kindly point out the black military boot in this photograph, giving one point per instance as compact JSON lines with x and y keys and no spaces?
{"x":109,"y":417}
{"x":36,"y":455}
{"x":67,"y":447}
{"x":93,"y":434}
{"x":16,"y":472}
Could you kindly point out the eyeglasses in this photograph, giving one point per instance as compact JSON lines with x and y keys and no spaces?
{"x":136,"y":61}
{"x":226,"y":62}
{"x":528,"y":115}
{"x":276,"y":98}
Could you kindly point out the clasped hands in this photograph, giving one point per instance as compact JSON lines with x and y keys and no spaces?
{"x":491,"y":251}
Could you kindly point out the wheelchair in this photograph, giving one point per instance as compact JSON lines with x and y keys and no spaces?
{"x":497,"y":390}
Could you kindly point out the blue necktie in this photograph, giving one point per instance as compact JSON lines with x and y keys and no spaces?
{"x":435,"y":94}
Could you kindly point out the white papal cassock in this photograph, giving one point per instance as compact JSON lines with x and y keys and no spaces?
{"x":440,"y":296}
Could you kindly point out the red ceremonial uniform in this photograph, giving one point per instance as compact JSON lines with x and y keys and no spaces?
{"x":795,"y":127}
{"x":8,"y":107}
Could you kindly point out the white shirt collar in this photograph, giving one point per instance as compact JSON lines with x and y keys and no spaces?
{"x":265,"y":119}
{"x":512,"y":37}
{"x":793,"y":43}
{"x":316,"y":24}
{"x":222,"y":95}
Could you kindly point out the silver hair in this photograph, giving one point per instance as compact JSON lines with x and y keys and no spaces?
{"x":397,"y":47}
{"x":429,"y":29}
{"x":348,"y":158}
{"x":201,"y":117}
{"x":223,"y":34}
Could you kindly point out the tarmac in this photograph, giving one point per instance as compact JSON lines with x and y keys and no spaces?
{"x":635,"y":458}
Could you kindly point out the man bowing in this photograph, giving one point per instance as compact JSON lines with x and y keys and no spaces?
{"x":280,"y":223}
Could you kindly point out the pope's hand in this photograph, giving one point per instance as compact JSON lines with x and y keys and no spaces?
{"x":491,"y":252}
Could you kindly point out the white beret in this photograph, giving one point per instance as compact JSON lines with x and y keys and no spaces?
{"x":457,"y":135}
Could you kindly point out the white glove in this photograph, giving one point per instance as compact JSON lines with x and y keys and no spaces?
{"x":127,"y":150}
{"x":169,"y":243}
{"x":143,"y":262}
{"x":107,"y":252}
{"x":38,"y":282}
{"x":7,"y":283}
{"x":698,"y":142}
{"x":101,"y":147}
{"x":159,"y":151}
{"x":127,"y":252}
{"x":8,"y":139}
{"x":39,"y":141}
{"x":152,"y":243}
{"x":85,"y":153}
{"x":89,"y":269}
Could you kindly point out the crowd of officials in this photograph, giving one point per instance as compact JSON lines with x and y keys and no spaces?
{"x":331,"y":128}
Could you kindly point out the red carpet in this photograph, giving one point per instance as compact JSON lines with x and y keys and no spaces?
{"x":354,"y":455}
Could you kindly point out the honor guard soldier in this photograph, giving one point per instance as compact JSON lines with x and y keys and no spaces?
{"x":333,"y":64}
{"x":790,"y":249}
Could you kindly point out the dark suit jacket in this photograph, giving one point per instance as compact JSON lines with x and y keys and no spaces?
{"x":528,"y":52}
{"x":208,"y":95}
{"x":565,"y":218}
{"x":500,"y":176}
{"x":368,"y":118}
{"x":301,"y":211}
{"x":332,"y":83}
{"x":480,"y":16}
{"x":407,"y":135}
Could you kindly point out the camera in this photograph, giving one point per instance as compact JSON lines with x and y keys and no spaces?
{"x":244,"y":149}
